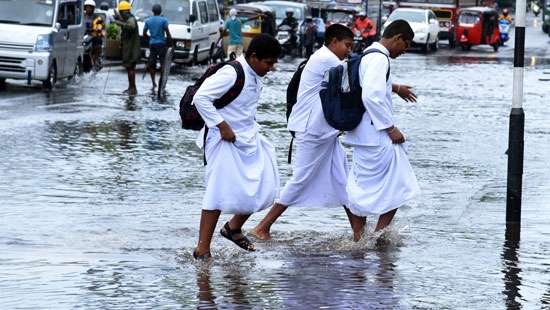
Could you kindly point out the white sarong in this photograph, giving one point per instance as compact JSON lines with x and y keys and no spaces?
{"x":240,"y":177}
{"x":381,"y":179}
{"x":320,"y":172}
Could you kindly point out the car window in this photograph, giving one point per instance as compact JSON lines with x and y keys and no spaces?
{"x":196,"y":12}
{"x":203,"y":12}
{"x":410,"y":16}
{"x":212,"y":10}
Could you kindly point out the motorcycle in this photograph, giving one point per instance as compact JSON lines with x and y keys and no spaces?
{"x":504,"y":29}
{"x":87,"y":62}
{"x":288,"y":40}
{"x":361,"y":42}
{"x":535,"y":7}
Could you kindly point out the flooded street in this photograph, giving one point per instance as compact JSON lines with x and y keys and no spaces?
{"x":100,"y":202}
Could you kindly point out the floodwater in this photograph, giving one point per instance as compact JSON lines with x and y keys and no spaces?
{"x":100,"y":201}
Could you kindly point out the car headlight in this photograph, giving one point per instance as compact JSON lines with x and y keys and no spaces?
{"x":43,"y":43}
{"x":183,"y":44}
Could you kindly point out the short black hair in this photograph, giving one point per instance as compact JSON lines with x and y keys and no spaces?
{"x":338,"y":32}
{"x":157,"y":9}
{"x":401,"y":27}
{"x":264,"y":46}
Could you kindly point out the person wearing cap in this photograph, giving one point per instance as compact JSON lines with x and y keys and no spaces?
{"x":292,"y":22}
{"x":233,"y":27}
{"x":131,"y":52}
{"x":95,"y":28}
{"x":159,"y":38}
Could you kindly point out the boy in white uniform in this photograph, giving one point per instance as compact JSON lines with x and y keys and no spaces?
{"x":320,"y":167}
{"x":381,"y":179}
{"x":241,"y":173}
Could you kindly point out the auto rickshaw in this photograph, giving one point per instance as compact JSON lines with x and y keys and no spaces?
{"x":256,"y":19}
{"x":476,"y":26}
{"x":339,"y":14}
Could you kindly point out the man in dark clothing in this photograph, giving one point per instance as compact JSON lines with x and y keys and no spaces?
{"x":290,"y":21}
{"x":131,"y":52}
{"x":158,"y":41}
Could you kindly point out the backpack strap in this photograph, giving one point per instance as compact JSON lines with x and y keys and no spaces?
{"x":234,"y":91}
{"x":375,"y":50}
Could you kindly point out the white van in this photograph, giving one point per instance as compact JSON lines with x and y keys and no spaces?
{"x":40,"y":40}
{"x":194,"y":25}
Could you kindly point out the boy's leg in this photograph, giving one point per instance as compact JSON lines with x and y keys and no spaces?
{"x":261,"y":231}
{"x":209,"y":219}
{"x":385,"y":219}
{"x":357,"y":224}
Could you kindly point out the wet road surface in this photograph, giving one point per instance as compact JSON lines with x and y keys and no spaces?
{"x":100,"y":202}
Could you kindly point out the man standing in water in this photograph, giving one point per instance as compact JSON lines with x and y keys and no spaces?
{"x":157,"y":27}
{"x":241,"y":172}
{"x":131,"y":52}
{"x":381,"y":179}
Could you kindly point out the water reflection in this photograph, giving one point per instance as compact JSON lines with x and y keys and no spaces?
{"x":512,"y":277}
{"x":206,"y":293}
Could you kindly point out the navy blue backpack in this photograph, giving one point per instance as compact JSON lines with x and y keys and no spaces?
{"x":341,"y":93}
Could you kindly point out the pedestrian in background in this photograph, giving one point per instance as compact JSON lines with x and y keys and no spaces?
{"x":233,"y":27}
{"x":310,"y":35}
{"x":381,"y":179}
{"x":159,"y":39}
{"x":241,"y":172}
{"x":131,"y":52}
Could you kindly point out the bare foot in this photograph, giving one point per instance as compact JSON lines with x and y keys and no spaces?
{"x":260,"y":234}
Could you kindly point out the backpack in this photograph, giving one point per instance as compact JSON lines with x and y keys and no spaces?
{"x":292,"y":98}
{"x":341,"y":93}
{"x":292,"y":88}
{"x":190,"y":117}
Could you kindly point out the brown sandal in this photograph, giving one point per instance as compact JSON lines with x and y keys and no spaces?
{"x":243,"y":243}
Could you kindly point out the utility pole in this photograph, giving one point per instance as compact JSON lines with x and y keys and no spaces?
{"x":516,"y":132}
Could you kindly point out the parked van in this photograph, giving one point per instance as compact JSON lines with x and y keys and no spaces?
{"x":194,"y":25}
{"x":40,"y":40}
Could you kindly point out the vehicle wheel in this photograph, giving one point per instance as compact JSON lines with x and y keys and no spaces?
{"x":77,"y":69}
{"x":87,"y":64}
{"x":495,"y":46}
{"x":50,"y":82}
{"x":426,"y":47}
{"x":435,"y":45}
{"x":3,"y":85}
{"x":545,"y":28}
{"x":211,"y":53}
{"x":464,"y":47}
{"x":196,"y":55}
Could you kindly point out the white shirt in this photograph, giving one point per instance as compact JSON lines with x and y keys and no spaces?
{"x":307,"y":114}
{"x":377,"y":98}
{"x":240,"y":114}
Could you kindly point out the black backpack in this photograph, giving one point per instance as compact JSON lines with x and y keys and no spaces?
{"x":292,"y":98}
{"x":190,"y":117}
{"x":341,"y":93}
{"x":292,"y":89}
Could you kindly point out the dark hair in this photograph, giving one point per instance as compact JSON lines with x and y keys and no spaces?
{"x":157,"y":9}
{"x":264,"y":46}
{"x":338,"y":32}
{"x":401,"y":27}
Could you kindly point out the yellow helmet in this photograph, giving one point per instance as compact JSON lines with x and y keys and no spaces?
{"x":124,"y":6}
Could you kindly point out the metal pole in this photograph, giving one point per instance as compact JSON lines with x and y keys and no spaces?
{"x":366,"y":7}
{"x":516,"y":133}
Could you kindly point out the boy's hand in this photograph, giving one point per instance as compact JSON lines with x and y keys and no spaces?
{"x":226,"y":132}
{"x":405,"y":92}
{"x":395,"y":135}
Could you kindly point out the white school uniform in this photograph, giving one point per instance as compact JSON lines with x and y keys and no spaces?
{"x":381,"y":177}
{"x":319,"y":166}
{"x":240,"y":177}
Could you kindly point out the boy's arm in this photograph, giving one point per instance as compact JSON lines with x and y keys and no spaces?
{"x":211,"y":89}
{"x":168,"y":35}
{"x":404,"y":91}
{"x":374,"y":95}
